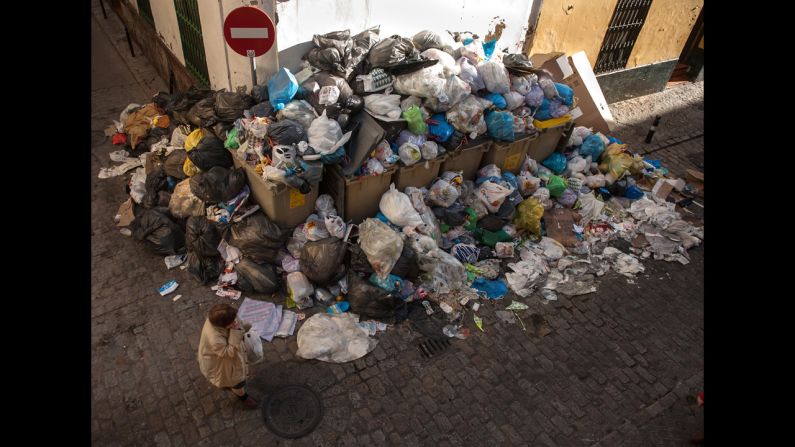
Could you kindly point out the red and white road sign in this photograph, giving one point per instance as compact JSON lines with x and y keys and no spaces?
{"x":249,"y":28}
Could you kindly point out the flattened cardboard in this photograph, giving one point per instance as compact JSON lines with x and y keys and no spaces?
{"x":126,"y":213}
{"x":560,"y":226}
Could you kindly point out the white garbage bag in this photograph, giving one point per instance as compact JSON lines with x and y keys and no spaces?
{"x":397,"y":207}
{"x":334,"y":338}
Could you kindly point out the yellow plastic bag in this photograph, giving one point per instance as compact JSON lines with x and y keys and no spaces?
{"x":528,"y":215}
{"x":191,"y":141}
{"x":637,"y":165}
{"x":616,"y":165}
{"x":614,"y":149}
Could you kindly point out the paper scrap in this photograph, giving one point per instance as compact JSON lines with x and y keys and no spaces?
{"x":264,"y":316}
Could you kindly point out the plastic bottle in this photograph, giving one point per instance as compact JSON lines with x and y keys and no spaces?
{"x":338,"y":308}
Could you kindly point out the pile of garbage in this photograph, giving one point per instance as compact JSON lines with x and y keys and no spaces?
{"x":439,"y":249}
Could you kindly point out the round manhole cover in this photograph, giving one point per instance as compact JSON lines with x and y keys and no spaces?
{"x":292,"y":411}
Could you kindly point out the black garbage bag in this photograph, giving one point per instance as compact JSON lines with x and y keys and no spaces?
{"x":617,"y":188}
{"x":391,"y":51}
{"x":338,"y":53}
{"x":358,"y":260}
{"x":491,"y":222}
{"x":313,"y":85}
{"x":253,"y":277}
{"x":507,"y":211}
{"x":210,"y":152}
{"x":202,"y":236}
{"x":261,"y":109}
{"x":163,"y":198}
{"x":174,"y":162}
{"x":370,"y":301}
{"x":162,"y":100}
{"x":219,"y":129}
{"x":202,"y":114}
{"x":406,"y":266}
{"x":218,"y":184}
{"x":286,"y":132}
{"x":161,"y":235}
{"x":156,"y":181}
{"x":260,"y":93}
{"x":153,"y":137}
{"x":427,"y":39}
{"x":229,"y":106}
{"x":431,"y":326}
{"x":455,"y":140}
{"x":258,"y":238}
{"x":322,"y":261}
{"x":204,"y":268}
{"x":454,"y":215}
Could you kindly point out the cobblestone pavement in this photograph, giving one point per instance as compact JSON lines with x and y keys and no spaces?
{"x":616,"y":367}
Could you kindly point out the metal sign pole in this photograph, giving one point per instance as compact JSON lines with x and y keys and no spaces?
{"x":253,"y":68}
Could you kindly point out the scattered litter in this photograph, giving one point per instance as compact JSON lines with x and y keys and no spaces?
{"x":168,"y":287}
{"x":174,"y":260}
{"x":478,"y":322}
{"x":176,"y":297}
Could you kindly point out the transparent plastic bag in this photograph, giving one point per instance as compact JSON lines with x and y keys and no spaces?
{"x":519,"y":125}
{"x":428,"y":82}
{"x":467,"y":116}
{"x":299,"y":287}
{"x":491,"y":170}
{"x":534,"y":97}
{"x":408,"y":137}
{"x":492,"y":195}
{"x":513,"y":100}
{"x":397,"y":207}
{"x":409,"y":154}
{"x":530,"y":165}
{"x":577,"y":164}
{"x":578,"y":136}
{"x":447,"y":61}
{"x":442,"y":193}
{"x":335,"y":226}
{"x":384,"y":105}
{"x":528,"y":184}
{"x":590,"y":208}
{"x":568,"y":198}
{"x":520,"y":85}
{"x":495,"y":76}
{"x":446,"y":273}
{"x":333,"y":338}
{"x":381,"y":245}
{"x":455,"y":89}
{"x":383,"y":152}
{"x":374,"y":167}
{"x":595,"y":181}
{"x":324,"y":205}
{"x":315,"y":228}
{"x":324,"y":133}
{"x":430,"y":150}
{"x":469,"y":74}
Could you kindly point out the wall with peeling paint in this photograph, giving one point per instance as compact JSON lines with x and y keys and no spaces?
{"x":574,"y":25}
{"x":165,"y":15}
{"x":299,"y":20}
{"x":665,"y":31}
{"x":570,"y":26}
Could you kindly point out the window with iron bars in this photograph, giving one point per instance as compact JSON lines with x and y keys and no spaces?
{"x":628,"y":19}
{"x":190,"y":32}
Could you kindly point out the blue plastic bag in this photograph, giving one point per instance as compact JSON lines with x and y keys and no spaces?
{"x":511,"y":179}
{"x":565,"y":93}
{"x":282,"y":87}
{"x":494,"y":290}
{"x":334,"y":158}
{"x":442,"y":131}
{"x":555,"y":162}
{"x":633,"y":193}
{"x":614,"y":140}
{"x":593,"y":146}
{"x":488,"y":48}
{"x":543,"y":113}
{"x":500,"y":126}
{"x":497,"y":99}
{"x":391,"y":283}
{"x":656,"y":163}
{"x":492,"y":179}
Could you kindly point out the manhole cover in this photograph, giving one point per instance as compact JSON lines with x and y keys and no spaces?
{"x":292,"y":411}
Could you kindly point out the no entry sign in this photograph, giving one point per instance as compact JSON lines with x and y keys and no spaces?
{"x":249,"y":28}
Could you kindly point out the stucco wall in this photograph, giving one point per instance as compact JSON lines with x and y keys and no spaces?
{"x":665,"y":32}
{"x":165,"y":16}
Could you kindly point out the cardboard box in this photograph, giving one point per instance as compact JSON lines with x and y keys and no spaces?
{"x":418,"y":175}
{"x":356,"y":198}
{"x":466,"y":159}
{"x":559,"y":223}
{"x":662,"y":188}
{"x":284,"y":205}
{"x":577,"y":72}
{"x":508,"y":155}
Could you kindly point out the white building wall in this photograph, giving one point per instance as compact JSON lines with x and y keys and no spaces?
{"x":165,"y":16}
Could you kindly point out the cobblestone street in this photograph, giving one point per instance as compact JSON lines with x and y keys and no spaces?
{"x":620,"y":366}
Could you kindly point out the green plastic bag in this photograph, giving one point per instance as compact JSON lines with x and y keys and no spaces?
{"x":556,"y":185}
{"x":491,"y":238}
{"x":528,"y":215}
{"x":231,"y":139}
{"x":472,"y":220}
{"x":413,"y":116}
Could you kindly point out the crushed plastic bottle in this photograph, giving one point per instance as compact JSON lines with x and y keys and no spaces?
{"x":428,"y":308}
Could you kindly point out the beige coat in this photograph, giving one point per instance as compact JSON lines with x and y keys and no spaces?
{"x":222,"y":355}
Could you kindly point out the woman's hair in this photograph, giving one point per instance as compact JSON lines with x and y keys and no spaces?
{"x":222,"y":315}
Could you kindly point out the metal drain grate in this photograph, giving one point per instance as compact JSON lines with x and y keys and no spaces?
{"x":292,"y":411}
{"x":431,"y":347}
